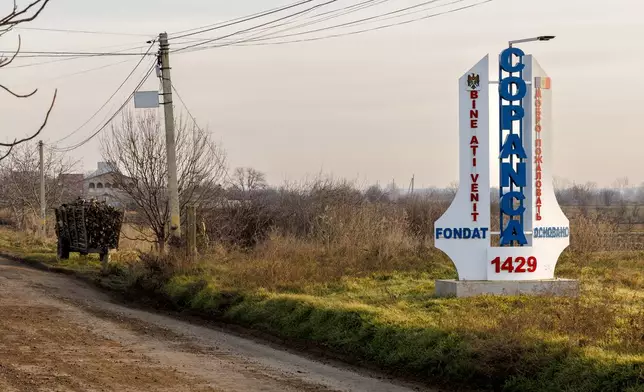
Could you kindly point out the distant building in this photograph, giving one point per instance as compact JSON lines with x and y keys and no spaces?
{"x":71,"y":186}
{"x":104,"y":185}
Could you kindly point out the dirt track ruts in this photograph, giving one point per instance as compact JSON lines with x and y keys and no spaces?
{"x":60,"y":334}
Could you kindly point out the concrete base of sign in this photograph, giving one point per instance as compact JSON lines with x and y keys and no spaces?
{"x":471,"y":288}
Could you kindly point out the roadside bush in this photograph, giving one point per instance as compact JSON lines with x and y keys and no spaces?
{"x":421,"y":212}
{"x":243,"y":225}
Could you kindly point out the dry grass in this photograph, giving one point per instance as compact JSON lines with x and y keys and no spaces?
{"x":287,"y":262}
{"x":133,"y":240}
{"x":344,"y":240}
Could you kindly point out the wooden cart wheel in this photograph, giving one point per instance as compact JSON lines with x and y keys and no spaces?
{"x":62,"y":250}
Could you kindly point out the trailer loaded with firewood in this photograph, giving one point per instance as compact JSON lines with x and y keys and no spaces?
{"x":88,"y":226}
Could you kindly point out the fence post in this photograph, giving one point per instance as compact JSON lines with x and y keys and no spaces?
{"x":192,"y":232}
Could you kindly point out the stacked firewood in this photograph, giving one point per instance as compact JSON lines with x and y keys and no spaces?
{"x":101,"y":223}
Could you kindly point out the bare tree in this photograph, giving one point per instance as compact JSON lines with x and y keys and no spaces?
{"x":560,"y":183}
{"x":608,"y":196}
{"x":17,"y":16}
{"x":20,"y":176}
{"x":621,"y":183}
{"x":639,"y":194}
{"x":452,"y":189}
{"x":563,"y":193}
{"x":136,"y":147}
{"x":583,"y":196}
{"x":376,"y":194}
{"x":246,"y":180}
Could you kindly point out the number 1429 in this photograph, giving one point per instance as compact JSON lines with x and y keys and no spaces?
{"x":518,"y":265}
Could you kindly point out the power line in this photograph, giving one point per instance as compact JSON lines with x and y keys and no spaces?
{"x":338,"y":13}
{"x":287,"y":21}
{"x":185,"y":106}
{"x":82,"y":71}
{"x":321,"y":17}
{"x":111,"y":96}
{"x":31,"y":54}
{"x":221,"y":23}
{"x":390,"y":15}
{"x":44,"y":62}
{"x":255,"y":27}
{"x":414,"y":12}
{"x":84,"y":32}
{"x":241,"y":20}
{"x":194,"y":120}
{"x":365,"y":20}
{"x":333,"y":14}
{"x":70,"y":58}
{"x":70,"y":148}
{"x":243,"y":42}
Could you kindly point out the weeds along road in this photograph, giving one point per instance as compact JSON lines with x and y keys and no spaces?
{"x":59,"y":334}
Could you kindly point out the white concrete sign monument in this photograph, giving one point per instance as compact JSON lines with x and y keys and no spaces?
{"x":533,"y":229}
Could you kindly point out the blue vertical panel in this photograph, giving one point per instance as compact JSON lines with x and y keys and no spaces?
{"x":512,"y":89}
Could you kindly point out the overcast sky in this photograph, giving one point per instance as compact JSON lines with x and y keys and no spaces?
{"x":371,"y":107}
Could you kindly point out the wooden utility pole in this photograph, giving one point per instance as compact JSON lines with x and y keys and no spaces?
{"x":43,"y":202}
{"x":171,"y":149}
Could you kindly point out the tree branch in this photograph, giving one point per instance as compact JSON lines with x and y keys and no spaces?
{"x":11,"y":18}
{"x":8,"y":153}
{"x":138,"y":238}
{"x":18,"y":95}
{"x":17,"y":142}
{"x":3,"y":62}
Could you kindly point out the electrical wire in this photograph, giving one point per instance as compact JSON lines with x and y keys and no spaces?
{"x":85,"y":71}
{"x":220,"y":23}
{"x":73,"y":58}
{"x":194,"y":120}
{"x":267,"y":37}
{"x":259,"y":15}
{"x":386,"y":16}
{"x":185,"y":106}
{"x":317,"y":18}
{"x":334,"y":14}
{"x":244,"y":43}
{"x":84,"y":32}
{"x":120,"y":109}
{"x":111,"y":96}
{"x":45,"y":62}
{"x":254,"y":27}
{"x":381,"y":17}
{"x":413,"y":12}
{"x":339,"y":13}
{"x":361,"y":4}
{"x":32,"y":54}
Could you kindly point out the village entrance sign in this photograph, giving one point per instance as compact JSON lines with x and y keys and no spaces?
{"x":520,"y":254}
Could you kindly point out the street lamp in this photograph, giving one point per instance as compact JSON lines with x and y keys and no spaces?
{"x":539,"y":38}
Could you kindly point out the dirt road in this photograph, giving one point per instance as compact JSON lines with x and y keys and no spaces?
{"x":59,"y":334}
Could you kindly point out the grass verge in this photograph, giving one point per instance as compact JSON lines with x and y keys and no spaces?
{"x":390,"y":319}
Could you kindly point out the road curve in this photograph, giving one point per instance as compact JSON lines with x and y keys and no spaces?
{"x":60,"y":334}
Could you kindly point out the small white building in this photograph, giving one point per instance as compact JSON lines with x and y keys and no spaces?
{"x":105,"y":185}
